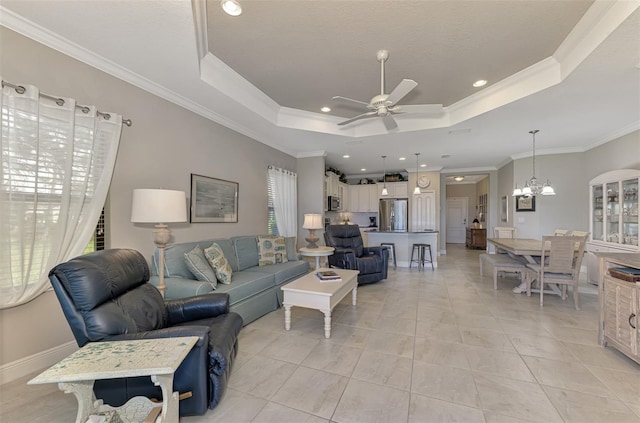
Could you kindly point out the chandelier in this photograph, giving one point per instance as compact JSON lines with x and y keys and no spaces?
{"x":532,"y":187}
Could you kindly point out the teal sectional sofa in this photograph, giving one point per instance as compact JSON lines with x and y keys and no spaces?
{"x":254,"y":290}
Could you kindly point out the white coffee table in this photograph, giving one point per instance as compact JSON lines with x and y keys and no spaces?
{"x":158,"y":358}
{"x":308,"y":291}
{"x":317,"y":253}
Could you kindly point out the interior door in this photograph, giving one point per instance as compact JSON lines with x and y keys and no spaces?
{"x":456,"y":219}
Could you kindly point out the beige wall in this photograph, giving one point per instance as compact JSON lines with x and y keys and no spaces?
{"x":163,"y":147}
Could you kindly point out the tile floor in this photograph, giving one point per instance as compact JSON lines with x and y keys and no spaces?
{"x":439,"y":346}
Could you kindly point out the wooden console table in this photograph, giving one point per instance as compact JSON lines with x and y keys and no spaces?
{"x":476,"y":238}
{"x":158,"y":358}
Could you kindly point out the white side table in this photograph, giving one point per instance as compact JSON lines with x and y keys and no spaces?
{"x":158,"y":358}
{"x":317,"y":253}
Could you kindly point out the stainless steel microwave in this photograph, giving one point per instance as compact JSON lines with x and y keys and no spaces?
{"x":333,"y":203}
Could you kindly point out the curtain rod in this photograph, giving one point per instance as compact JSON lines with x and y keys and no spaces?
{"x":60,"y":102}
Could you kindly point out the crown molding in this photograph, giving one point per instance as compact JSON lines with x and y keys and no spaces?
{"x":635,"y":126}
{"x":50,"y":39}
{"x":600,"y":20}
{"x":449,"y":172}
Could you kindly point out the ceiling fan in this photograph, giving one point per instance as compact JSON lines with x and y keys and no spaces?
{"x":385,"y":105}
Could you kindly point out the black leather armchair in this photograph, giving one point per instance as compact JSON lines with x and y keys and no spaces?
{"x":350,"y":253}
{"x":105,"y":296}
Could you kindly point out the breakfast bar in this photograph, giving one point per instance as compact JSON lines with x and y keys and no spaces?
{"x":404,"y":242}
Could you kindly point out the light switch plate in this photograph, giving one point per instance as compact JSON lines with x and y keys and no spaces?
{"x":521,"y":220}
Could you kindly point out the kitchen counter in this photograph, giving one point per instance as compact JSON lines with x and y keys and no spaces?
{"x":404,"y":242}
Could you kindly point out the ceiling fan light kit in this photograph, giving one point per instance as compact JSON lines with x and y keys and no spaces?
{"x":532,"y":187}
{"x":384,"y":105}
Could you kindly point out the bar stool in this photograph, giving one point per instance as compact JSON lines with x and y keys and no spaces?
{"x":392,"y":249}
{"x":421,"y":249}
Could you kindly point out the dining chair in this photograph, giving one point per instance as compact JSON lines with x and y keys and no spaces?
{"x":561,"y":265}
{"x":561,"y":232}
{"x":504,"y":232}
{"x":579,"y":233}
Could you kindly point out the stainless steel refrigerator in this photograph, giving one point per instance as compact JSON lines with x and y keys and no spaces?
{"x":393,"y":215}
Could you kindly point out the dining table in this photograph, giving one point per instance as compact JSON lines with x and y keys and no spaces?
{"x":526,"y":248}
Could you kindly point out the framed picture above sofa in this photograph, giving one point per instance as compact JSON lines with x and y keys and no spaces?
{"x":213,"y":200}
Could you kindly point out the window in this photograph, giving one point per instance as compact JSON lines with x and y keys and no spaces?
{"x":97,"y":240}
{"x":56,"y":164}
{"x":272,"y":225}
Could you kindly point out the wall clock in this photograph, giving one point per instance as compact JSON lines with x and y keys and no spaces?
{"x":423,"y":182}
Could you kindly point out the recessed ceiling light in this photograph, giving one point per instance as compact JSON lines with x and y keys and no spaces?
{"x":402,"y":158}
{"x":423,"y":165}
{"x":346,"y":156}
{"x":325,"y":109}
{"x":231,"y":7}
{"x":480,"y":83}
{"x":458,"y":178}
{"x":363,"y":170}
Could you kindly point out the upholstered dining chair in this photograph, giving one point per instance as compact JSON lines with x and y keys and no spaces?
{"x":562,"y":257}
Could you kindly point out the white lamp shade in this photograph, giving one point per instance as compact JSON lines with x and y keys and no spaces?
{"x":312,"y":221}
{"x":158,"y":206}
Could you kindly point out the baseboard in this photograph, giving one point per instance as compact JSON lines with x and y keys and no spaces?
{"x":33,"y":363}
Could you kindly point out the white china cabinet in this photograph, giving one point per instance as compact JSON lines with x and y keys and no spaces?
{"x":613,"y":216}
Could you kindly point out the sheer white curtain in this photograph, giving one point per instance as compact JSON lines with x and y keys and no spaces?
{"x":285,"y":200}
{"x":55,"y":171}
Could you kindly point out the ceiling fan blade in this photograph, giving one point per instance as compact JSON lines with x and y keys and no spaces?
{"x":389,"y":122}
{"x":362,"y":116}
{"x":403,"y":88}
{"x":420,"y":108}
{"x":350,"y":101}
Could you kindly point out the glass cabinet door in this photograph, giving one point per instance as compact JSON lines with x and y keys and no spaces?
{"x":629,"y":200}
{"x":613,"y":212}
{"x":598,"y":214}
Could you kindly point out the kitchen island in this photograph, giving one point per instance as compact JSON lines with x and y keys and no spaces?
{"x":404,"y":242}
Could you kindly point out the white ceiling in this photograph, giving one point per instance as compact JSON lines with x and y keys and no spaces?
{"x":568,"y":68}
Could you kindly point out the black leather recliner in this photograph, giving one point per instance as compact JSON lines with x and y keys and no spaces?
{"x":350,"y":253}
{"x":105,"y":296}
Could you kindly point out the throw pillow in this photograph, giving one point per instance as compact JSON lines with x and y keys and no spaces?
{"x":292,"y":254}
{"x":199,"y":266}
{"x":271,"y":250}
{"x":219,"y":263}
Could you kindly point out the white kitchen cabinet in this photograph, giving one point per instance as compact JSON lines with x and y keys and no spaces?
{"x":613,"y":216}
{"x":343,"y":194}
{"x":395,"y":189}
{"x":331,"y":184}
{"x":373,"y":198}
{"x":363,"y":198}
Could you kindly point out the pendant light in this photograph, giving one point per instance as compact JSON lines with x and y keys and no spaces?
{"x":532,"y":187}
{"x":416,"y":190}
{"x":384,"y":178}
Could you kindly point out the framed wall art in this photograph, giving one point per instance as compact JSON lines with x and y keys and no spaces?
{"x":504,"y":209}
{"x":525,"y":204}
{"x":213,"y":200}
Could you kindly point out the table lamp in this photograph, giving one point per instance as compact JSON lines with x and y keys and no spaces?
{"x":312,"y":221}
{"x":159,"y":206}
